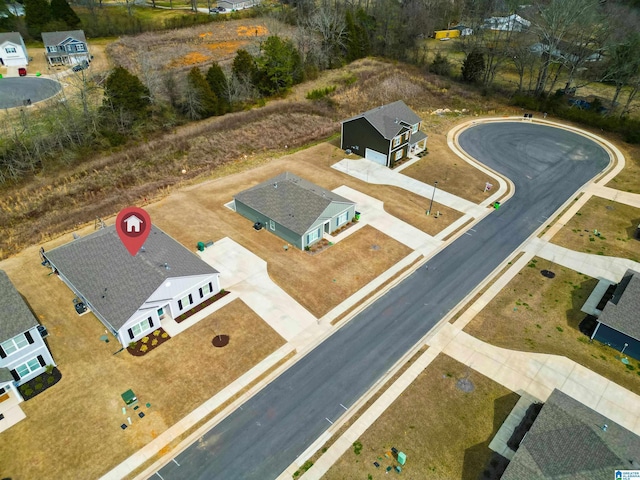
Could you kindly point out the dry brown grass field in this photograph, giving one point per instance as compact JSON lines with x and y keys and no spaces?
{"x":616,"y":223}
{"x":537,"y":314}
{"x":444,"y":431}
{"x":78,"y":420}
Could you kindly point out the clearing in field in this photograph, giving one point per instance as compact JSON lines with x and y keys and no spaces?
{"x":537,"y":314}
{"x":443,"y":430}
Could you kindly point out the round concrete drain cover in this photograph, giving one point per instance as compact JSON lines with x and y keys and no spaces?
{"x":375,"y":247}
{"x":547,"y":273}
{"x":220,"y":340}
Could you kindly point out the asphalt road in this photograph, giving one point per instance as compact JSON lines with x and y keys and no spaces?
{"x":263,"y":437}
{"x":14,"y":90}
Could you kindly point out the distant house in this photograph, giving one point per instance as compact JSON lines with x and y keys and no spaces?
{"x":133,"y":295}
{"x":619,"y":323}
{"x":570,"y":440}
{"x":294,"y":209}
{"x":384,"y":135}
{"x":23,"y":353}
{"x":13,"y":52}
{"x":237,"y":4}
{"x":464,"y":30}
{"x":511,"y":23}
{"x":66,"y":48}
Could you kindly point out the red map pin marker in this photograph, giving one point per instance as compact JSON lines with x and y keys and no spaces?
{"x":133,"y":226}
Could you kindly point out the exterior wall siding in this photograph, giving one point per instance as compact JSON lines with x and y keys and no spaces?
{"x":16,"y":59}
{"x":616,"y":339}
{"x":255,"y":216}
{"x":31,"y":351}
{"x":358,"y":135}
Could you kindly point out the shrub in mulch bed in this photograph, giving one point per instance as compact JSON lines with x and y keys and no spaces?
{"x":197,"y":308}
{"x":525,"y":425}
{"x":40,"y":383}
{"x":148,"y":343}
{"x":343,"y":228}
{"x":318,"y":246}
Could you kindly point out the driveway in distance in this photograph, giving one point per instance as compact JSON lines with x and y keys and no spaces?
{"x":15,"y":91}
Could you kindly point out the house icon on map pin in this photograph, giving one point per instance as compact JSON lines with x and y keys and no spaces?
{"x":133,"y":224}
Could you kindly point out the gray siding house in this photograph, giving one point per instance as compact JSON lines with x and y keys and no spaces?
{"x":132,"y":295}
{"x":619,"y":323}
{"x":569,"y":440}
{"x":296,"y":210}
{"x":66,"y":48}
{"x":13,"y":52}
{"x":23,"y":353}
{"x":384,"y":135}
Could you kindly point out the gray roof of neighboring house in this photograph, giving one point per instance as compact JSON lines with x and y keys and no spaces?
{"x":386,"y":119}
{"x":13,"y":37}
{"x":622,"y":311}
{"x":56,"y":38}
{"x":290,"y":201}
{"x":15,"y":315}
{"x":116,"y":283}
{"x":5,"y":375}
{"x":417,"y":137}
{"x":567,"y":441}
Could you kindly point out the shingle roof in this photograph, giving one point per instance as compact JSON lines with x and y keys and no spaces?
{"x":13,"y":37}
{"x":386,"y":119}
{"x":5,"y":375}
{"x":56,"y":38}
{"x":567,"y":441}
{"x":622,"y":311}
{"x":417,"y":137}
{"x":115,"y":283}
{"x":15,"y":315}
{"x":290,"y":201}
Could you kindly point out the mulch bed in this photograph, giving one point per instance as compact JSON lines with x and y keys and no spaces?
{"x":319,"y":246}
{"x":197,"y":308}
{"x":220,"y":341}
{"x":40,"y":383}
{"x":343,"y":228}
{"x":148,"y":343}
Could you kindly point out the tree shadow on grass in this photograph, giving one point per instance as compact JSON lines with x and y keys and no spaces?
{"x":633,"y":230}
{"x":479,"y":458}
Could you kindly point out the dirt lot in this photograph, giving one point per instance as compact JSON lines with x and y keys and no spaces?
{"x":537,"y":314}
{"x":442,"y":439}
{"x":616,"y":223}
{"x":453,"y":174}
{"x":79,"y":418}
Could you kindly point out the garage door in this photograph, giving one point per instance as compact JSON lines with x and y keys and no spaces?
{"x":374,"y":156}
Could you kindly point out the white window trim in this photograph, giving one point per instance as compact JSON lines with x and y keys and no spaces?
{"x":14,"y":344}
{"x":343,"y":218}
{"x":205,"y":289}
{"x":415,"y":128}
{"x":28,"y":367}
{"x":10,"y":49}
{"x":396,"y":141}
{"x":186,"y":302}
{"x":398,"y":155}
{"x":313,"y":236}
{"x":140,"y":327}
{"x":272,"y":225}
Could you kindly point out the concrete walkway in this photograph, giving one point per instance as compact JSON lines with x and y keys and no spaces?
{"x":372,"y":172}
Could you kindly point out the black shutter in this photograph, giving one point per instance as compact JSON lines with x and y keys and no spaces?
{"x":150,"y":322}
{"x":190,"y":299}
{"x":15,"y":375}
{"x":2,"y":390}
{"x":41,"y":360}
{"x":180,"y":304}
{"x":29,"y":337}
{"x":2,"y":354}
{"x":201,"y":294}
{"x":210,"y":287}
{"x":131,"y":335}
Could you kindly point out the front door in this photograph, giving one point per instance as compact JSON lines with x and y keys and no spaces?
{"x":327,"y":228}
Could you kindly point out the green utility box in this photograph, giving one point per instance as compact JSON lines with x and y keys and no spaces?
{"x":201,"y":246}
{"x":402,"y":458}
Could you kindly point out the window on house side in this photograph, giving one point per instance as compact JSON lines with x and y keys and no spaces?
{"x":27,"y":368}
{"x":14,"y":344}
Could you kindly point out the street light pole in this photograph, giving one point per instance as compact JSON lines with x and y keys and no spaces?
{"x":432,"y":196}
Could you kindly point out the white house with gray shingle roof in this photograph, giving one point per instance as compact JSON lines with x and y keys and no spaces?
{"x":133,"y":295}
{"x":23,"y":353}
{"x":296,"y":210}
{"x":619,"y":323}
{"x":66,"y":48}
{"x":13,"y":52}
{"x":385,"y":134}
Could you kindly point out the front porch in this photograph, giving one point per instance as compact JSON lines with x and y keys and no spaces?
{"x":10,"y":411}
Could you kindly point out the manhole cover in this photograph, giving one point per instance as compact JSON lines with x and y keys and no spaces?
{"x":220,"y":340}
{"x":375,"y":247}
{"x":610,"y":207}
{"x":465,"y":385}
{"x":547,"y":273}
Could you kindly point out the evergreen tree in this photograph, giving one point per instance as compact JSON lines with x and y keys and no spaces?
{"x":60,"y":10}
{"x":124,"y":92}
{"x":279,"y":67}
{"x":218,"y":83}
{"x":440,"y":65}
{"x":37,"y":13}
{"x":204,"y":101}
{"x":244,"y":66}
{"x":473,"y":66}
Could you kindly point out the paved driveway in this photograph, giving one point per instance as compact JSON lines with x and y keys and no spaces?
{"x":260,"y":440}
{"x":15,"y":90}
